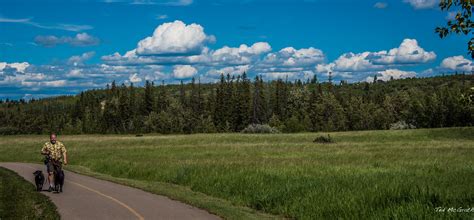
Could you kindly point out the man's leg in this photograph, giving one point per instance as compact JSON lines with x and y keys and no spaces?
{"x":50,"y":176}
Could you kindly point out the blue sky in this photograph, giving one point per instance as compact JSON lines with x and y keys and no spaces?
{"x":52,"y":48}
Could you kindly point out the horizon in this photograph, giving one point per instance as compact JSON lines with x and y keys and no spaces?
{"x":53,"y":49}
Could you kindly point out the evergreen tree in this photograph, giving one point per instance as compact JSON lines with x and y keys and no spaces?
{"x":133,"y":105}
{"x":163,"y":99}
{"x":195,"y":107}
{"x":113,"y":89}
{"x":148,"y":99}
{"x":258,"y":104}
{"x":124,"y":107}
{"x":182,"y":94}
{"x":220,"y":105}
{"x":228,"y":104}
{"x":314,"y":111}
{"x":195,"y":99}
{"x":314,"y":80}
{"x":241,"y":107}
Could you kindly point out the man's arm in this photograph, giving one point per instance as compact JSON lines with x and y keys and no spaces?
{"x":65,"y":158}
{"x":44,"y":150}
{"x":63,"y":149}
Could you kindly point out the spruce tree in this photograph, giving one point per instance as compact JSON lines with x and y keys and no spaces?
{"x":259,"y":110}
{"x":228,"y":105}
{"x":124,"y":107}
{"x":163,"y":99}
{"x":182,"y":94}
{"x":219,"y":110}
{"x":245,"y":106}
{"x":315,"y":110}
{"x":148,"y":99}
{"x":236,"y":107}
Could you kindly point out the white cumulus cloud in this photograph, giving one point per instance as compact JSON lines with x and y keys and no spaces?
{"x":289,"y":62}
{"x":409,"y":52}
{"x":239,"y":55}
{"x":351,"y":62}
{"x":174,"y":38}
{"x":457,"y":63}
{"x":386,"y":75}
{"x":291,"y":57}
{"x":184,"y":71}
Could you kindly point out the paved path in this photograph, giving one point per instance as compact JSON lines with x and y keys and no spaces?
{"x":89,"y":198}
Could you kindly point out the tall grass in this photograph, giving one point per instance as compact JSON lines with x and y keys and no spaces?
{"x":364,"y":175}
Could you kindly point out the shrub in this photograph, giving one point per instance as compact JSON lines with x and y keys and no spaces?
{"x":9,"y":130}
{"x":293,"y":124}
{"x":401,"y":125}
{"x":276,"y":123}
{"x":323,"y":139}
{"x":260,"y":129}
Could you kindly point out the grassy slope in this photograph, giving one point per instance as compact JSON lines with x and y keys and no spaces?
{"x":19,"y":200}
{"x":369,"y":174}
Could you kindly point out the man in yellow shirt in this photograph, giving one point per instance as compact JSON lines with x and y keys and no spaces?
{"x":56,"y":154}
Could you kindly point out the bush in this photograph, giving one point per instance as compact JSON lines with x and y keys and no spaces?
{"x":323,"y":139}
{"x":293,"y":124}
{"x":9,"y":130}
{"x":276,"y":123}
{"x":401,"y":125}
{"x":260,"y":129}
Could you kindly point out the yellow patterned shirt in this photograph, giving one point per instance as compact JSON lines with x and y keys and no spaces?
{"x":55,"y":150}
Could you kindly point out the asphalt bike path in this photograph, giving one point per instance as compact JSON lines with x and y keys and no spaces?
{"x":86,"y":197}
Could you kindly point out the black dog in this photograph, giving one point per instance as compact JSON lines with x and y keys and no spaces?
{"x":39,"y":180}
{"x":59,"y":180}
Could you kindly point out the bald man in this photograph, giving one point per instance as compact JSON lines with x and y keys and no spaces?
{"x":56,"y":155}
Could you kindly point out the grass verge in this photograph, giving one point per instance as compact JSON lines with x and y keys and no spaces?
{"x":19,"y":200}
{"x":214,"y":205}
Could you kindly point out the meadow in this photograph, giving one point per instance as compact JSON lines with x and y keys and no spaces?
{"x":363,"y":175}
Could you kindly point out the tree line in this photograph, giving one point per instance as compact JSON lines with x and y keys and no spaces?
{"x":235,"y":102}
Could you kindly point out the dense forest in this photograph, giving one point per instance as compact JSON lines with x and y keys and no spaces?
{"x":237,"y":101}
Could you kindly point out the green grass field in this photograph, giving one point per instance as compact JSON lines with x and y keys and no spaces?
{"x":19,"y":200}
{"x":364,"y":175}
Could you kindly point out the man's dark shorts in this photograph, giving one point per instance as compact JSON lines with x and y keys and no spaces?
{"x":52,"y":165}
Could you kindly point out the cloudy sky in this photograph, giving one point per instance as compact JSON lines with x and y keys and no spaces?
{"x":53,"y":47}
